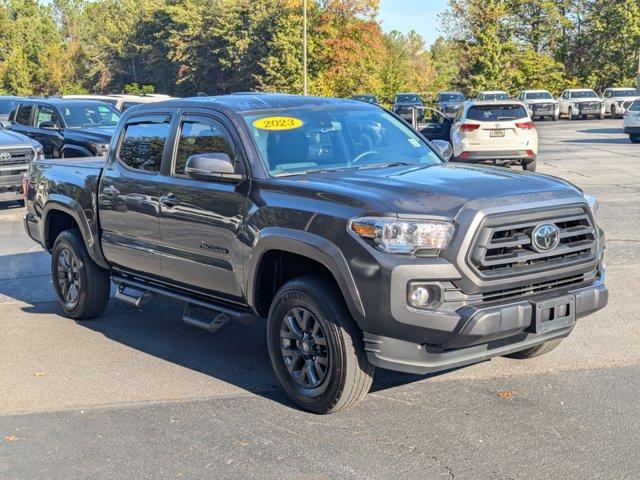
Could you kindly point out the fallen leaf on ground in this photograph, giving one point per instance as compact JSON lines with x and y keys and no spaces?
{"x":39,"y":374}
{"x":11,"y":438}
{"x":506,"y":394}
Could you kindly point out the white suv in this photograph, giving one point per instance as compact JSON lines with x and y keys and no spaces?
{"x":618,"y":100}
{"x":540,"y":104}
{"x":498,"y":133}
{"x":580,"y":103}
{"x":632,"y":122}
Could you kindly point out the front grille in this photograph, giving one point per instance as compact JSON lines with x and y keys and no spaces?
{"x":544,"y":107}
{"x":590,"y":106}
{"x":503,"y":247}
{"x":537,"y":288}
{"x":18,"y":157}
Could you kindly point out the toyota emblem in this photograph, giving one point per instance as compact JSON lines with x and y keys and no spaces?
{"x":5,"y":156}
{"x":545,"y":237}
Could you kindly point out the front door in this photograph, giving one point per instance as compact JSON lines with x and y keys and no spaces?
{"x":128,"y":195}
{"x":200,"y":221}
{"x":46,"y":130}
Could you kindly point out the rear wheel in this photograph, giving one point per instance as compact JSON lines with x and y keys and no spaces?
{"x":537,"y":350}
{"x":531,"y":166}
{"x":634,"y":137}
{"x":315,"y":347}
{"x":82,"y":286}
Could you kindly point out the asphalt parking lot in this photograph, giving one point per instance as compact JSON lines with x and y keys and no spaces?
{"x":138,"y":394}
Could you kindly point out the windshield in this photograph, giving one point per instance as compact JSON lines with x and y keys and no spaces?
{"x":630,"y":92}
{"x":538,"y":96}
{"x":99,"y":115}
{"x":301,"y":140}
{"x":408,"y":98}
{"x":365,"y":98}
{"x":584,"y":94}
{"x":495,"y":96}
{"x":451,"y":97}
{"x":5,"y":107}
{"x":496,"y":113}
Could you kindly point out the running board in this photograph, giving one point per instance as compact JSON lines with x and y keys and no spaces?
{"x":147,"y":290}
{"x":204,"y":318}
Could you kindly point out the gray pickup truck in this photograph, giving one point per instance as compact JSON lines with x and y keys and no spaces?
{"x":16,"y":152}
{"x":334,"y":221}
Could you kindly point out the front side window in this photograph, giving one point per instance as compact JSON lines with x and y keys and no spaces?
{"x":142,"y":145}
{"x":635,"y":106}
{"x":198,"y":137}
{"x":496,"y":113}
{"x":23,"y":115}
{"x":95,"y":115}
{"x":628,"y":92}
{"x":45,"y":114}
{"x":300,"y":140}
{"x":539,"y":96}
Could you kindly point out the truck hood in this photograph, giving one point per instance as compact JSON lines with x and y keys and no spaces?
{"x":542,"y":100}
{"x":441,"y":190}
{"x":15,"y":139}
{"x":98,"y":134}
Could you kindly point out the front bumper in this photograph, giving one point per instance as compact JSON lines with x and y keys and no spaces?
{"x":484,"y":332}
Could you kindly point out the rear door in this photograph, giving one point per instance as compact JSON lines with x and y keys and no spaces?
{"x":434,"y":125}
{"x":200,"y":221}
{"x":128,"y":194}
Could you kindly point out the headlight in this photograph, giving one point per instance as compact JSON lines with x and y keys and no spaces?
{"x":404,"y":236}
{"x":100,"y":148}
{"x":594,"y":206}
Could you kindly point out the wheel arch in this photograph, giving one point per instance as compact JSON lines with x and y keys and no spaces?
{"x":60,"y":213}
{"x":307,"y":246}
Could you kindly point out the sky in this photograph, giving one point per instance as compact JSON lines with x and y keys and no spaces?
{"x":418,"y":15}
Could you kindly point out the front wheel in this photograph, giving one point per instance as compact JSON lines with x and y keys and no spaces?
{"x":82,"y":286}
{"x":536,"y":351}
{"x":316,"y":348}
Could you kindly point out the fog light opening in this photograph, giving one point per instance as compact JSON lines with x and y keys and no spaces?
{"x":420,"y":297}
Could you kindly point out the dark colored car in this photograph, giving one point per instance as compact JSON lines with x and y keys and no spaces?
{"x":449,"y":103}
{"x":331,"y":219}
{"x":66,"y":128}
{"x":405,"y":103}
{"x":367,"y":98}
{"x":6,"y":105}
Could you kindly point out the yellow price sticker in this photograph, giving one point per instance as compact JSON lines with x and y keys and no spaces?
{"x":278,"y":123}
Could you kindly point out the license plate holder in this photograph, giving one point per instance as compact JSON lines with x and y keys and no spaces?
{"x":496,"y":133}
{"x":555,"y":314}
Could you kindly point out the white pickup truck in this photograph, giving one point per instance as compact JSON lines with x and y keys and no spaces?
{"x":618,"y":100}
{"x":580,"y":103}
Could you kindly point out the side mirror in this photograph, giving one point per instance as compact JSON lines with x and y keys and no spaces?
{"x":5,"y":125}
{"x":48,"y":125}
{"x":213,"y":167}
{"x":443,"y":148}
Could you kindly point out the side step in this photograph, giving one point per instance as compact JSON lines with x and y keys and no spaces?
{"x":200,"y":313}
{"x":204,"y":318}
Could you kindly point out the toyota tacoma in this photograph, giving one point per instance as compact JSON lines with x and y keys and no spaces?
{"x":331,"y":219}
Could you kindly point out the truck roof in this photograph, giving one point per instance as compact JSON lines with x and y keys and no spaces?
{"x":251,"y":101}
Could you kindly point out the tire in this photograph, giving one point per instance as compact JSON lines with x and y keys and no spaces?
{"x":555,"y":118}
{"x":536,"y":351}
{"x":614,"y":115}
{"x":634,"y":137}
{"x":309,"y":320}
{"x":530,"y":167}
{"x":90,"y":281}
{"x":571,"y":117}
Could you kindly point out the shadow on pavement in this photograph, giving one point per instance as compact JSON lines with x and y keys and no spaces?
{"x":10,"y":204}
{"x":606,"y":131}
{"x":236,"y":354}
{"x":602,"y":141}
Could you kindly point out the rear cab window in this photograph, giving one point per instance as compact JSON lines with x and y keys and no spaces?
{"x":496,"y":113}
{"x":142,"y":144}
{"x":23,"y":114}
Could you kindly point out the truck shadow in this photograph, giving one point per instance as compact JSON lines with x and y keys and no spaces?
{"x":601,"y":141}
{"x":10,"y":204}
{"x":236,"y":354}
{"x":606,"y":131}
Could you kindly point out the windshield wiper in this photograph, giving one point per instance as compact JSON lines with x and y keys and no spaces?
{"x":387,"y":165}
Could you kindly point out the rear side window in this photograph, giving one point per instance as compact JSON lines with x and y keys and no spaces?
{"x":496,"y":113}
{"x":23,"y":115}
{"x":197,"y":137}
{"x":635,"y":106}
{"x":142,"y":145}
{"x":45,"y":115}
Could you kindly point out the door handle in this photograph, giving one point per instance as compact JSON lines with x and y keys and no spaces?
{"x":170,"y":200}
{"x":111,"y":191}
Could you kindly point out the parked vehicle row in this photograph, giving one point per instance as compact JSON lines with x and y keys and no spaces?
{"x":335,"y":222}
{"x":121,"y":101}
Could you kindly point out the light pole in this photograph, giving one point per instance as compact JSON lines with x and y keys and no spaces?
{"x":304,"y":50}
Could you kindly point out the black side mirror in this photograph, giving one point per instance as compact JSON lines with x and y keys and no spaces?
{"x":49,"y":125}
{"x":214,"y":167}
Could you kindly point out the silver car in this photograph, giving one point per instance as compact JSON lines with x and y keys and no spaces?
{"x":16,"y":152}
